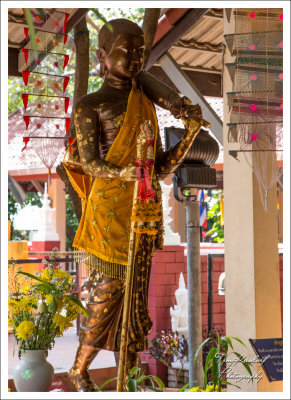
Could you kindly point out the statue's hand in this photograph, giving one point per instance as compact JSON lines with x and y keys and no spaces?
{"x":192,"y":110}
{"x":128,"y":173}
{"x":183,"y":107}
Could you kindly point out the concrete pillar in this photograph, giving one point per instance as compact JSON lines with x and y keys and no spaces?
{"x":57,"y":194}
{"x":252,"y":300}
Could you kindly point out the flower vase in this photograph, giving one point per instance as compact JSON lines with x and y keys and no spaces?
{"x":33,"y":373}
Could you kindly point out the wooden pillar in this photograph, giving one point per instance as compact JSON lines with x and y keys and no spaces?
{"x":57,"y":194}
{"x":252,"y":300}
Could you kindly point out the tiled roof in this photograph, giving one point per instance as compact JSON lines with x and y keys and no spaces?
{"x":28,"y":159}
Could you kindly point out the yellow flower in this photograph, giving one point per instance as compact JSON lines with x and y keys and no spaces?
{"x":60,"y":274}
{"x":25,"y":330}
{"x":62,"y":322}
{"x":195,"y":389}
{"x":60,"y":303}
{"x":45,"y":275}
{"x":49,"y":298}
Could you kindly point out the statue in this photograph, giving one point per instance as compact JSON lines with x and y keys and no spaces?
{"x":107,"y":123}
{"x":179,"y":314}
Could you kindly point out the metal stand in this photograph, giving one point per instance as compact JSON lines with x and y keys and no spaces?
{"x":194,"y":291}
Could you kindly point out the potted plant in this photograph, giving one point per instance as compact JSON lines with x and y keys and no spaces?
{"x":214,"y":367}
{"x":166,"y":347}
{"x":41,"y":308}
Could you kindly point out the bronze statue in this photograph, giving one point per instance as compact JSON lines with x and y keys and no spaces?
{"x":120,"y":107}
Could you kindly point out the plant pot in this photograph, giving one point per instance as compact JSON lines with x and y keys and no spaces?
{"x":33,"y":373}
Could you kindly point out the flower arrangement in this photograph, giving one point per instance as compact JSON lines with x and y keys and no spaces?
{"x":40,"y":312}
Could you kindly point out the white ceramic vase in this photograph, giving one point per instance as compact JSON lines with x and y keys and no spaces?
{"x":33,"y":373}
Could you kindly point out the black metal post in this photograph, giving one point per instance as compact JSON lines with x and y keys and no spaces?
{"x":210,"y":291}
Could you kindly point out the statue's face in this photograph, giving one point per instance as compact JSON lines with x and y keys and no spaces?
{"x":125,"y":58}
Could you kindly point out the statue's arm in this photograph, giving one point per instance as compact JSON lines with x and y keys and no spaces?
{"x":162,"y":95}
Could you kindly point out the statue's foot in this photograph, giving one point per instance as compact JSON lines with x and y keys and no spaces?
{"x":83,"y":383}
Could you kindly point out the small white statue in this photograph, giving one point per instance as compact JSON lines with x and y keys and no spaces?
{"x":179,"y":314}
{"x":179,"y":318}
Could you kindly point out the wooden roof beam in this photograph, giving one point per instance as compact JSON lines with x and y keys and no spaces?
{"x":187,"y":88}
{"x":184,"y":24}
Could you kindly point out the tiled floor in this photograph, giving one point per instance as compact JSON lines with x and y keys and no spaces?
{"x":63,"y":354}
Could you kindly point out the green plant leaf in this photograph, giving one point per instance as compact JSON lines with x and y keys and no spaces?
{"x":229,"y":341}
{"x":199,"y":348}
{"x":153,"y":388}
{"x":209,"y":359}
{"x":100,"y":16}
{"x":158,"y":381}
{"x":75,"y":300}
{"x":185,"y":386}
{"x":41,"y":287}
{"x":31,"y":29}
{"x":215,"y":371}
{"x":228,"y":383}
{"x":106,"y":383}
{"x":244,"y":363}
{"x":133,"y":371}
{"x":37,"y":279}
{"x":131,"y":384}
{"x":238,"y":340}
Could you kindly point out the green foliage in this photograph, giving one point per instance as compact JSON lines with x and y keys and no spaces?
{"x":15,"y":88}
{"x":215,"y":361}
{"x":71,"y":223}
{"x":215,"y":231}
{"x":32,"y":199}
{"x":136,"y":380}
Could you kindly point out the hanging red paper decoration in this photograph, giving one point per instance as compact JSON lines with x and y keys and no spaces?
{"x":47,"y":120}
{"x":68,"y":123}
{"x":65,"y":21}
{"x":66,"y":60}
{"x":26,"y":119}
{"x":67,"y":100}
{"x":24,"y":99}
{"x":65,"y":84}
{"x":25,"y":76}
{"x":25,"y":52}
{"x":25,"y":141}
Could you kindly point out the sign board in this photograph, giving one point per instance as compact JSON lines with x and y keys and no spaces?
{"x":270,"y":356}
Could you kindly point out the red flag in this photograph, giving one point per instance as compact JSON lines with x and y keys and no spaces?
{"x":25,"y":141}
{"x":25,"y":52}
{"x":26,"y":120}
{"x":70,"y":140}
{"x":66,"y":60}
{"x":26,"y":32}
{"x":65,"y":83}
{"x":65,"y":38}
{"x":67,"y":101}
{"x":65,"y":21}
{"x":68,"y":123}
{"x":24,"y":99}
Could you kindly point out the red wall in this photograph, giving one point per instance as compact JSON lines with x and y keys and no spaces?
{"x":166,"y":268}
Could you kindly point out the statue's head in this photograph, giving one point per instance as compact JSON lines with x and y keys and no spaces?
{"x":121,"y":51}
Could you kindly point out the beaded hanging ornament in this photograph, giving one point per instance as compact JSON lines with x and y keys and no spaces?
{"x":256,"y":102}
{"x":46,"y":119}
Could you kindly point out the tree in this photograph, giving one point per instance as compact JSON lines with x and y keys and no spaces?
{"x":215,"y":232}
